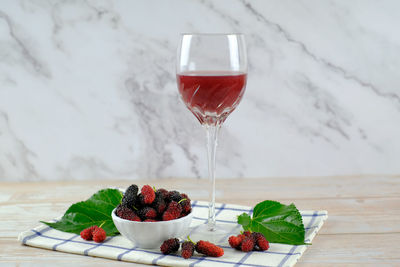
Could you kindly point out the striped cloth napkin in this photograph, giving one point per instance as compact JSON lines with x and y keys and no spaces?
{"x":119,"y":248}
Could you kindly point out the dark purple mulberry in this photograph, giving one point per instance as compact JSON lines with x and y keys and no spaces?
{"x":187,"y":249}
{"x":159,"y":203}
{"x":169,"y":246}
{"x":130,"y":196}
{"x":174,"y":196}
{"x":126,"y":213}
{"x":147,"y":213}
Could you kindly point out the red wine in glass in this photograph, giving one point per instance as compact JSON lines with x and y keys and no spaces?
{"x":211,"y":94}
{"x":211,"y":73}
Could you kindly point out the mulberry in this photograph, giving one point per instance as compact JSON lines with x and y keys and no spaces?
{"x":126,"y":213}
{"x":173,"y":211}
{"x":248,"y":244}
{"x":99,"y":235}
{"x":169,"y":246}
{"x":174,"y":196}
{"x":159,"y":204}
{"x":261,"y":242}
{"x":209,"y":249}
{"x":147,"y":213}
{"x":148,"y":194}
{"x":187,"y":249}
{"x":130,"y":196}
{"x":236,"y":241}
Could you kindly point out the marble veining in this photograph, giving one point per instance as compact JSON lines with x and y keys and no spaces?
{"x":88,"y":89}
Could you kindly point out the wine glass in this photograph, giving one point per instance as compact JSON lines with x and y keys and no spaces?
{"x":211,"y":74}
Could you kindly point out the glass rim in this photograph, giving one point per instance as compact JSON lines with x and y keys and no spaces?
{"x":205,"y":33}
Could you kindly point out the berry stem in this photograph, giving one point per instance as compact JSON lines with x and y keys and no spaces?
{"x":102,"y":224}
{"x":183,"y":199}
{"x":188,"y":238}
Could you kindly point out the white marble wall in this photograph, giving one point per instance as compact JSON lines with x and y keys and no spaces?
{"x":87,"y":89}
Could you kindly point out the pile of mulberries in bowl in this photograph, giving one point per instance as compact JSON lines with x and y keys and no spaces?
{"x":152,"y":205}
{"x":151,"y":216}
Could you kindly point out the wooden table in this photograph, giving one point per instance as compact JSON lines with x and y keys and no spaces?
{"x":363,"y":228}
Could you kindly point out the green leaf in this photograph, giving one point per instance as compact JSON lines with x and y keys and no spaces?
{"x":279,"y":223}
{"x":94,"y":211}
{"x":244,"y":219}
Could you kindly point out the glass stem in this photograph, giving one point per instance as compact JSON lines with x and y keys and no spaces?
{"x":212,"y":138}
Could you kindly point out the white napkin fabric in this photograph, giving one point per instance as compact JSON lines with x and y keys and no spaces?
{"x":120,"y":248}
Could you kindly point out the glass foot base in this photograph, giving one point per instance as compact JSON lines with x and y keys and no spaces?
{"x":219,"y":235}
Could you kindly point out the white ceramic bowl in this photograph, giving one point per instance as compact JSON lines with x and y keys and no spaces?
{"x":152,"y":234}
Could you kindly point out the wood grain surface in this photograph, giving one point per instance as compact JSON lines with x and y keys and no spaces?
{"x":363,"y":228}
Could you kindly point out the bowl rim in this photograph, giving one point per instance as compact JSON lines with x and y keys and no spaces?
{"x":115,"y":217}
